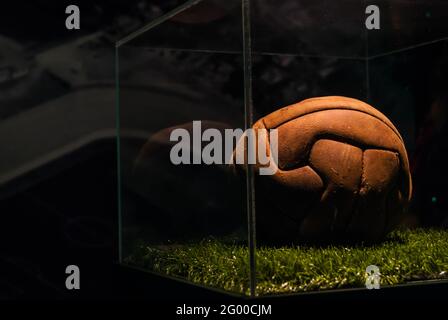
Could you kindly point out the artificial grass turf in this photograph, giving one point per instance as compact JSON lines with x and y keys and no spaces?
{"x":405,"y":256}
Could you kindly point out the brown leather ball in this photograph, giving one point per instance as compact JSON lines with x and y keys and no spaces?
{"x":343,"y":173}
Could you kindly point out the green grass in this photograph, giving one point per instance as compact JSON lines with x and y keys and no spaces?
{"x":406,"y":256}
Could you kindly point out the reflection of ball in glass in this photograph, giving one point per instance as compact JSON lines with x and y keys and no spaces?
{"x":343,"y":173}
{"x":185,"y":200}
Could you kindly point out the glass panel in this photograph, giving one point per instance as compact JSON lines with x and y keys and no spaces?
{"x":309,"y":27}
{"x":338,"y":204}
{"x":180,"y":79}
{"x":408,"y":70}
{"x":408,"y":23}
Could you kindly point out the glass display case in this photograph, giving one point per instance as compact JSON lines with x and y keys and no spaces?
{"x":344,"y":101}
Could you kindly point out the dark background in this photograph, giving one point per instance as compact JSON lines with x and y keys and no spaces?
{"x":65,"y":211}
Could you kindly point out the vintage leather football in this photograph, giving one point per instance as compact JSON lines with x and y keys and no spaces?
{"x":343,"y":173}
